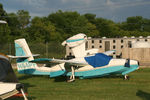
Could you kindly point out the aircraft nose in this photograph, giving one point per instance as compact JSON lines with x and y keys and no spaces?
{"x":129,"y":63}
{"x":135,"y":63}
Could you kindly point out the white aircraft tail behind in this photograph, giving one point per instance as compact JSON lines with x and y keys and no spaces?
{"x":77,"y":45}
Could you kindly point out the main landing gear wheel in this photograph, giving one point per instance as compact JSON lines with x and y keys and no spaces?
{"x":126,"y":77}
{"x":72,"y":77}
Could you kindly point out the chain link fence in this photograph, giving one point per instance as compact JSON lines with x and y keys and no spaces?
{"x":47,"y":50}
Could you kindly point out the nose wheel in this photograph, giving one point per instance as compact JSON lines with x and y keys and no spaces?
{"x":126,"y":77}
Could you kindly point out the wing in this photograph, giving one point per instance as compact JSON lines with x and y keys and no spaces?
{"x":59,"y":61}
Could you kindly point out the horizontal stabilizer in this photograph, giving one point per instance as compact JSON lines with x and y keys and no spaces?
{"x":35,"y":55}
{"x":15,"y":57}
{"x":10,"y":56}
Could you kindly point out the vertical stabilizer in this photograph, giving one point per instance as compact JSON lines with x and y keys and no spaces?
{"x":24,"y":55}
{"x":22,"y":49}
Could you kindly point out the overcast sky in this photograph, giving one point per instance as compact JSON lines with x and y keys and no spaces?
{"x":116,"y":10}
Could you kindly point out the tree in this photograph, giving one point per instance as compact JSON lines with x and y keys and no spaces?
{"x":4,"y":33}
{"x":23,"y":18}
{"x":107,"y":27}
{"x":2,"y":12}
{"x":42,"y":30}
{"x":133,"y":24}
{"x":70,"y":23}
{"x":91,"y":17}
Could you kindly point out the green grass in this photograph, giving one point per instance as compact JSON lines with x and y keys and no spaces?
{"x":105,"y":88}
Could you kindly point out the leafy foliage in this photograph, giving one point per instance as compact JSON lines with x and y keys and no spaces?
{"x":62,"y":24}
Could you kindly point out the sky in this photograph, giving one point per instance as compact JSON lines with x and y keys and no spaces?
{"x":116,"y":10}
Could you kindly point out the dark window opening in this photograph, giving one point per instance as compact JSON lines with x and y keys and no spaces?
{"x":114,"y":41}
{"x":121,"y":41}
{"x":145,"y":40}
{"x":92,"y":41}
{"x":100,"y":41}
{"x":92,"y":46}
{"x":70,"y":54}
{"x":122,"y":46}
{"x":114,"y":47}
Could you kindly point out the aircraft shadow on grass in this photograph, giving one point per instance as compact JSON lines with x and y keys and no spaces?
{"x":143,"y":95}
{"x":63,"y":78}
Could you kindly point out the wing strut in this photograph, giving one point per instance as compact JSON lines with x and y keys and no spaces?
{"x":72,"y":77}
{"x":25,"y":98}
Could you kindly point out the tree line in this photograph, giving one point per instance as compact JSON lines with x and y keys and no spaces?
{"x":60,"y":25}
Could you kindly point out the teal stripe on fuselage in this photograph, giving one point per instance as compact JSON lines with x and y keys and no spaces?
{"x":57,"y":73}
{"x":98,"y":72}
{"x":75,"y":40}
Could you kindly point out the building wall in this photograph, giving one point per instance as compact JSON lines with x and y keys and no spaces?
{"x":140,"y":54}
{"x":105,"y":44}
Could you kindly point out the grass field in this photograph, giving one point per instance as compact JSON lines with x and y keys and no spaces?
{"x":105,"y":88}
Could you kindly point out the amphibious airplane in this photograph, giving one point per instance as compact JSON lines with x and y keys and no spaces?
{"x":9,"y":85}
{"x":87,"y":64}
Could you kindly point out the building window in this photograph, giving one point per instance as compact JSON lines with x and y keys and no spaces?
{"x":121,"y":41}
{"x":70,"y":54}
{"x":114,"y":47}
{"x":114,"y":41}
{"x":138,"y":40}
{"x":100,"y":46}
{"x":145,"y":40}
{"x":121,"y":46}
{"x":129,"y":44}
{"x":92,"y":46}
{"x":92,"y":41}
{"x":69,"y":47}
{"x":100,"y":41}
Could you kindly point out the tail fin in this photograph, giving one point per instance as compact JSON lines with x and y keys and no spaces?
{"x":24,"y":55}
{"x":22,"y":49}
